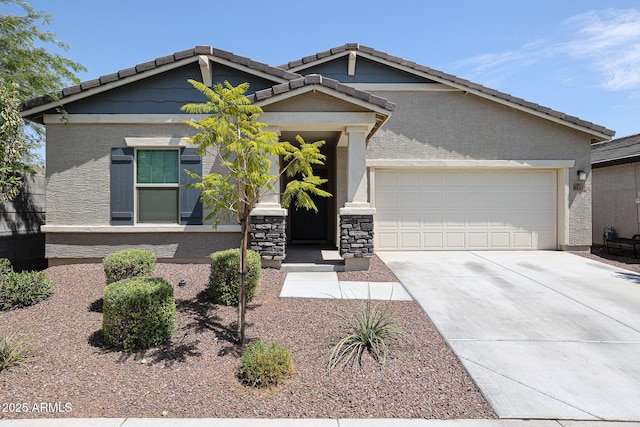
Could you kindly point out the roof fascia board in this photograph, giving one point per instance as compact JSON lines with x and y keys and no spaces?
{"x":615,"y":162}
{"x":322,"y":119}
{"x":321,"y":61}
{"x":402,"y":87}
{"x":179,"y":119}
{"x":246,"y":69}
{"x":325,"y":90}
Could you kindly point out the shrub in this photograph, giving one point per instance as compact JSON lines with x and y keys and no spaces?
{"x":138,"y":313}
{"x":224,"y":284}
{"x":265,"y":365}
{"x":129,"y":263}
{"x":14,"y":350}
{"x":367,"y":329}
{"x":5,"y":267}
{"x":22,"y":289}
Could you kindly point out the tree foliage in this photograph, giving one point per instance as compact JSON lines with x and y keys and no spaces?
{"x":12,"y":144}
{"x":247,"y":151}
{"x":27,"y":70}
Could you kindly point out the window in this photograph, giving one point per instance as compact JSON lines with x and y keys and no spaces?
{"x":151,"y":183}
{"x":157,"y":186}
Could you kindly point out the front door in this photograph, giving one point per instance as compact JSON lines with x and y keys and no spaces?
{"x":309,"y":226}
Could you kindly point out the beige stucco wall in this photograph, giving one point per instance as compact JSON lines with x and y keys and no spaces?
{"x":78,"y":194}
{"x":452,"y":125}
{"x":78,"y":167}
{"x":615,"y":189}
{"x":62,"y":247}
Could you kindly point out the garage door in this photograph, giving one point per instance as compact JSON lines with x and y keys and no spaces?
{"x":464,"y":209}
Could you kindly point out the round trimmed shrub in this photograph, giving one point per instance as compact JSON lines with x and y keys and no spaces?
{"x":265,"y":365}
{"x":129,"y":263}
{"x":138,"y":313}
{"x":224,"y":283}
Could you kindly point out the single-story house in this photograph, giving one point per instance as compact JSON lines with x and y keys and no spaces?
{"x":417,"y":159}
{"x":616,"y":186}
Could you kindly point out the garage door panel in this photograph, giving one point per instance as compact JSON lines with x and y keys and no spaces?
{"x":500,"y":240}
{"x":478,"y":240}
{"x":465,"y":209}
{"x":455,"y":240}
{"x":409,"y":199}
{"x":522,"y":240}
{"x":432,"y":240}
{"x":410,"y":240}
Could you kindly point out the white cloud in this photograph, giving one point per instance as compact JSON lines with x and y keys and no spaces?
{"x":606,"y":42}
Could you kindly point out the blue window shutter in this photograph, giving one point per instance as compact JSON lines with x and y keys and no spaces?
{"x":190,"y":204}
{"x":122,"y":186}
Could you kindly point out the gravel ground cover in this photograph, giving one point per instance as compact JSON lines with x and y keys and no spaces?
{"x":622,"y":260}
{"x":74,"y":375}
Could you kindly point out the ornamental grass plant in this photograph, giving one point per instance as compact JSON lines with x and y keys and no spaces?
{"x":370,"y":328}
{"x":15,"y":350}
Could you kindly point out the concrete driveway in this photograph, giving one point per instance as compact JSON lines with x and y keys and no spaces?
{"x":544,"y":334}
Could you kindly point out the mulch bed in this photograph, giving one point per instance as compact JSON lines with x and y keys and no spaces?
{"x":193,"y":375}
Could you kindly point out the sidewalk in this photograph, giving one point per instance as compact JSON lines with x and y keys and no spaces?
{"x":292,"y":422}
{"x":327,"y":285}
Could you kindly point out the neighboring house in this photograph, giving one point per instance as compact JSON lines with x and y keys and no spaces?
{"x":616,"y":186}
{"x":417,"y":159}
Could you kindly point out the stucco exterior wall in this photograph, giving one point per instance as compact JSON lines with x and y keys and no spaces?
{"x":63,"y":247}
{"x":452,"y":125}
{"x":615,"y":189}
{"x":78,"y":167}
{"x":78,"y":194}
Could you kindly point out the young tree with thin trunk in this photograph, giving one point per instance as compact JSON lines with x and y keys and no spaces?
{"x":246,"y":151}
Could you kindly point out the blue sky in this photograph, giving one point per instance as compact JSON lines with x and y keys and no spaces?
{"x":581,"y":57}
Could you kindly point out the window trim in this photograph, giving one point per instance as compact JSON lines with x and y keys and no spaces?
{"x":136,"y":186}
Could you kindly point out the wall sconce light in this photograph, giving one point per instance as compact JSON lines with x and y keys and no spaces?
{"x":582,"y":175}
{"x":182,"y":283}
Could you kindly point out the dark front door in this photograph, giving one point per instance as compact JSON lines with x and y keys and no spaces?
{"x":309,"y":226}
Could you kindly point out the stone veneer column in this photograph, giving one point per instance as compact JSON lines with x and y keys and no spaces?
{"x":267,"y":236}
{"x":356,"y":217}
{"x":356,"y":241}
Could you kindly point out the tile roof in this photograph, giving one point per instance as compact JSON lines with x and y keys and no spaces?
{"x":317,"y":79}
{"x":284,"y":73}
{"x":448,"y":78}
{"x":616,"y":152}
{"x":159,"y":62}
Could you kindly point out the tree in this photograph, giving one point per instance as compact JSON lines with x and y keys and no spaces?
{"x":247,"y":151}
{"x":27,"y":71}
{"x":12,"y":144}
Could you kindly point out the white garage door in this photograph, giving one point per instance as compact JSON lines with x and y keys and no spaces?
{"x":464,"y":209}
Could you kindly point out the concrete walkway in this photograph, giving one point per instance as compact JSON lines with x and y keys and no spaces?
{"x":544,"y":334}
{"x":327,"y":285}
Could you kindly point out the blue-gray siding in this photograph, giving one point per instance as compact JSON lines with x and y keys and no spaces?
{"x":161,"y":94}
{"x":367,"y":71}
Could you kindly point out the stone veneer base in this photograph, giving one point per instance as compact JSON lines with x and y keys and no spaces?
{"x":267,"y":236}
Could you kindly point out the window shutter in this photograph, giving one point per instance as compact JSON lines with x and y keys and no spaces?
{"x":122,"y":186}
{"x":190,"y":204}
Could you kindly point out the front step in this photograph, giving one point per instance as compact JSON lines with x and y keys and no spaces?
{"x":311,"y":267}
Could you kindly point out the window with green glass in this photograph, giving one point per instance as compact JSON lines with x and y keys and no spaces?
{"x":157,"y":185}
